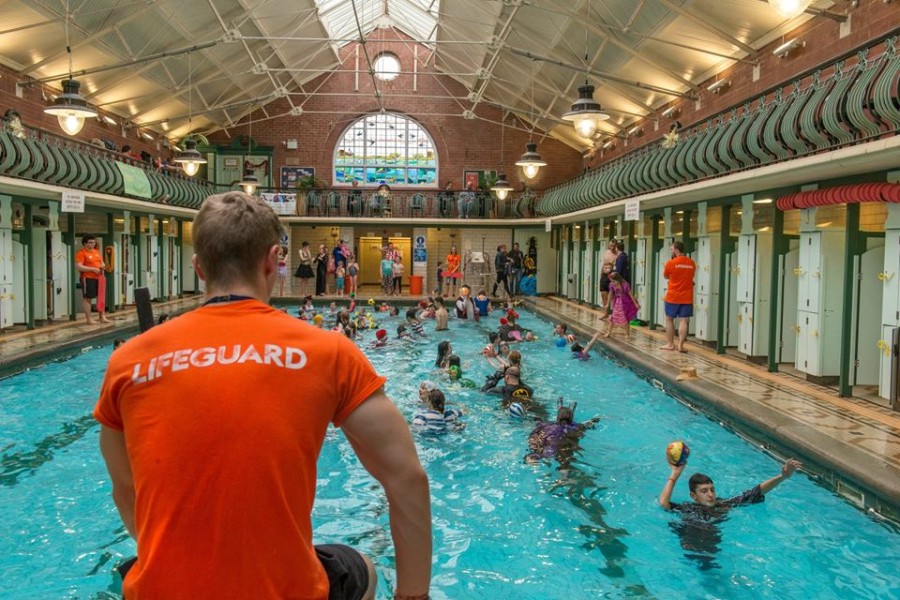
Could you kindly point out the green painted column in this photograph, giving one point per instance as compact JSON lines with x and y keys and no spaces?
{"x":726,"y":247}
{"x":686,"y":232}
{"x":655,"y":246}
{"x":179,"y":268}
{"x":779,"y":249}
{"x":161,"y":252}
{"x":74,"y":301}
{"x":854,"y":245}
{"x":109,"y":239}
{"x":29,"y":266}
{"x":136,"y":242}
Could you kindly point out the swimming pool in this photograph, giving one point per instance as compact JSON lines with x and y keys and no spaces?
{"x":503,"y":528}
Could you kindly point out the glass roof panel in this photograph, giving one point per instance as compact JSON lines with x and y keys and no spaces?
{"x":416,"y":18}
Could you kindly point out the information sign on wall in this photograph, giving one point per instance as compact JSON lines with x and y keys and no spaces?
{"x":632,"y":210}
{"x":72,"y":201}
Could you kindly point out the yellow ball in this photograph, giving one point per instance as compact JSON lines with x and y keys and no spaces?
{"x":677,"y":453}
{"x":371,"y":301}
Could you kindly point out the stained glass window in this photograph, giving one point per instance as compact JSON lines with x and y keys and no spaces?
{"x":386,"y":148}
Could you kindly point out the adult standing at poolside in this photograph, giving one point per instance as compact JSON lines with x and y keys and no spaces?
{"x":183,"y":408}
{"x":89,"y":262}
{"x":321,"y":262}
{"x":679,"y":299}
{"x":609,"y":263}
{"x":305,"y":269}
{"x":452,"y":274}
{"x":516,"y":259}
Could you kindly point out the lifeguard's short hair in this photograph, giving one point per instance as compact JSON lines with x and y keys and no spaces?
{"x":232,"y":233}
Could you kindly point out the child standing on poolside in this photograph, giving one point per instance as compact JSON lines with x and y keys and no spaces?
{"x":387,"y":274}
{"x":353,"y":273}
{"x":339,"y":276}
{"x":624,"y":307}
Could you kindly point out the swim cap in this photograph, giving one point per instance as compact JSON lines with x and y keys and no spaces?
{"x":318,"y":319}
{"x":381,"y":334}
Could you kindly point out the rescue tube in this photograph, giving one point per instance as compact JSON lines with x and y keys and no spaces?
{"x":109,"y":257}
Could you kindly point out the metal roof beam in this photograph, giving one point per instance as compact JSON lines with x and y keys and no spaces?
{"x":718,"y":31}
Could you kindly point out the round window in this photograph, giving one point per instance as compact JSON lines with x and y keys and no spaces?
{"x":387,"y":67}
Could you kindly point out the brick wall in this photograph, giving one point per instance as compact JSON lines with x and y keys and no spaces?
{"x":461,"y":144}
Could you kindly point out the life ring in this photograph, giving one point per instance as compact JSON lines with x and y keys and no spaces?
{"x":109,"y":258}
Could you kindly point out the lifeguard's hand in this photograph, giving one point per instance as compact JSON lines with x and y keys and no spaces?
{"x":789,"y":467}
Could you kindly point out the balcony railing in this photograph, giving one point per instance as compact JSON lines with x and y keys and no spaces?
{"x":849,"y":105}
{"x":361,"y":203}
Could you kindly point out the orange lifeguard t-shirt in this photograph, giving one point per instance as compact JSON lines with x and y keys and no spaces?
{"x":89,"y":258}
{"x":452,"y":264}
{"x":224,"y":411}
{"x":680,"y":273}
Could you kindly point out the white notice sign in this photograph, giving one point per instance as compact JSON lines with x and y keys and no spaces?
{"x":632,"y":210}
{"x":548,"y":226}
{"x":73,"y":202}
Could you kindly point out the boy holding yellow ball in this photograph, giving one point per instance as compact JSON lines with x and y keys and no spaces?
{"x":703,"y":491}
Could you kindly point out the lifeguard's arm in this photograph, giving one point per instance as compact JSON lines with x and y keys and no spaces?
{"x":666,"y":496}
{"x":382,"y":441}
{"x":112,"y":446}
{"x":786,"y":471}
{"x":666,"y":271}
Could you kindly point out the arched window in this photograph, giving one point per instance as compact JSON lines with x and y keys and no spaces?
{"x":386,"y":148}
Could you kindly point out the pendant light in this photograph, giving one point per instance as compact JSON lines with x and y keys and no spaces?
{"x":586,"y":113}
{"x":501,"y":187}
{"x":249,"y":183}
{"x":70,"y":108}
{"x":531,"y":161}
{"x":190,"y":160}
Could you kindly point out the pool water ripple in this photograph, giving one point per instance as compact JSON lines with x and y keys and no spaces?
{"x":503,"y":529}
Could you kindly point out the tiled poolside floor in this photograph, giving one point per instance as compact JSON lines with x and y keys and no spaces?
{"x":851,"y":438}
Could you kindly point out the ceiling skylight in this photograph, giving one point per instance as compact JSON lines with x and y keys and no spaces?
{"x":416,"y":18}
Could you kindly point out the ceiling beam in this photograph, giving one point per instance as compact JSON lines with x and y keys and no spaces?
{"x":718,"y":31}
{"x":91,"y":38}
{"x":602,"y":75}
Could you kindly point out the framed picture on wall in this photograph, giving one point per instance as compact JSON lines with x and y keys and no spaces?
{"x":479,"y":179}
{"x":290,"y":175}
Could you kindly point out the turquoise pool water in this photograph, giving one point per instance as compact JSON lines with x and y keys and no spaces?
{"x":503,"y":529}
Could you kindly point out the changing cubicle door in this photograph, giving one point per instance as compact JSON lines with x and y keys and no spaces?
{"x":39,"y":268}
{"x":787,"y":345}
{"x":868,"y":329}
{"x":6,"y":278}
{"x":746,"y":268}
{"x":59,"y":273}
{"x":18,"y":283}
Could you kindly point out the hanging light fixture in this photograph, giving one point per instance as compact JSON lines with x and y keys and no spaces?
{"x":531,"y":161}
{"x":789,"y":8}
{"x":70,"y":108}
{"x":249,"y":183}
{"x":190,"y":160}
{"x":586,"y":113}
{"x":501,"y":187}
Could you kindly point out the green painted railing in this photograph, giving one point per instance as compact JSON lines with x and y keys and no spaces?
{"x":847,"y":107}
{"x":41,"y":156}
